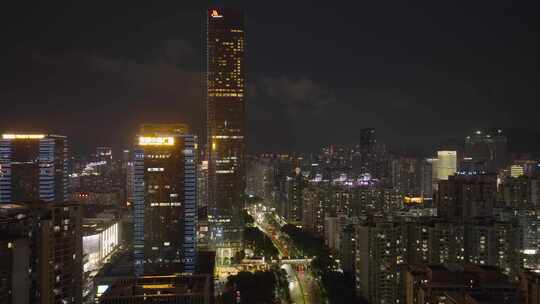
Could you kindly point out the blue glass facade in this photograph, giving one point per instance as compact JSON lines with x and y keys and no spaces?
{"x":138,"y":211}
{"x":190,"y":204}
{"x":165,"y":204}
{"x":34,"y":169}
{"x":5,"y":171}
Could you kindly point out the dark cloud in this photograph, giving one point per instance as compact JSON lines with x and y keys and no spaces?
{"x":176,"y":52}
{"x":93,"y":93}
{"x":297,"y":95}
{"x":293,"y":108}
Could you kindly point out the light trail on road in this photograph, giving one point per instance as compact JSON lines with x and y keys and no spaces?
{"x":303,"y":288}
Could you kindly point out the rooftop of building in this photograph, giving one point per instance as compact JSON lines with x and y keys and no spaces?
{"x":452,"y":274}
{"x":159,"y":286}
{"x":121,"y":265}
{"x":483,"y":298}
{"x":12,"y":210}
{"x":19,"y":210}
{"x":206,"y":262}
{"x":97,"y":224}
{"x":154,"y":129}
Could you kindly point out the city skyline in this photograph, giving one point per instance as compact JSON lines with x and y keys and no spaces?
{"x":368,"y":153}
{"x":456,"y":76}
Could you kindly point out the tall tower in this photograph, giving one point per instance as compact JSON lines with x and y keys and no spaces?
{"x":33,"y":167}
{"x":368,"y":142}
{"x":226,"y":124}
{"x":446,"y":164}
{"x":489,"y":147}
{"x":165,"y":200}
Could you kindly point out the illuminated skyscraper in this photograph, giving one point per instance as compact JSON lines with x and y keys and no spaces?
{"x":165,"y":200}
{"x":445,"y":165}
{"x":33,"y":167}
{"x":225,"y":123}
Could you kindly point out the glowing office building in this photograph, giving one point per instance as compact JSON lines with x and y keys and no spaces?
{"x":165,"y":200}
{"x":446,"y":164}
{"x":516,"y":170}
{"x":101,"y":237}
{"x":226,"y":124}
{"x":33,"y":167}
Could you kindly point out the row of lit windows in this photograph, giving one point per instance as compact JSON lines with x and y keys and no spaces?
{"x":237,"y":88}
{"x":226,"y":95}
{"x":227,"y":136}
{"x":176,"y":204}
{"x":155,"y":187}
{"x":228,"y":72}
{"x":224,"y":171}
{"x":159,"y":156}
{"x":213,"y":80}
{"x":228,"y":82}
{"x":226,"y":90}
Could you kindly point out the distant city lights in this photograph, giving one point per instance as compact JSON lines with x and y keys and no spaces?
{"x":23,"y":136}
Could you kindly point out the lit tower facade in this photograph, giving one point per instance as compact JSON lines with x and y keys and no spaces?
{"x":226,"y":124}
{"x":165,"y":200}
{"x":33,"y":167}
{"x":446,"y":164}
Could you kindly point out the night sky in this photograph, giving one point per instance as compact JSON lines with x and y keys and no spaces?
{"x":422,"y":73}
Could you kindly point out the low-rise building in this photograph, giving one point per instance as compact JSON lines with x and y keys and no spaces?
{"x":177,"y":289}
{"x":453,"y":283}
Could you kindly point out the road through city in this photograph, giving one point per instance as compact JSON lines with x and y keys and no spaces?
{"x":303,"y":287}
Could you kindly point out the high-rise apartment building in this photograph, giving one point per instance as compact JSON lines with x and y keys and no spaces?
{"x":368,"y":147}
{"x":490,"y":242}
{"x":347,"y":249}
{"x":40,"y":253}
{"x":380,"y":249}
{"x":426,"y":177}
{"x":295,"y":186}
{"x":384,"y":245}
{"x":462,"y":197}
{"x":489,"y":147}
{"x":529,"y":282}
{"x":520,"y":192}
{"x":259,"y":176}
{"x":165,"y":199}
{"x":406,"y":176}
{"x":451,"y":283}
{"x":225,"y":123}
{"x":333,"y":226}
{"x":434,"y":241}
{"x":314,"y":207}
{"x":33,"y":167}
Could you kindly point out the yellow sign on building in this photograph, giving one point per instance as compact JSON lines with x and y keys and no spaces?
{"x":156,"y":141}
